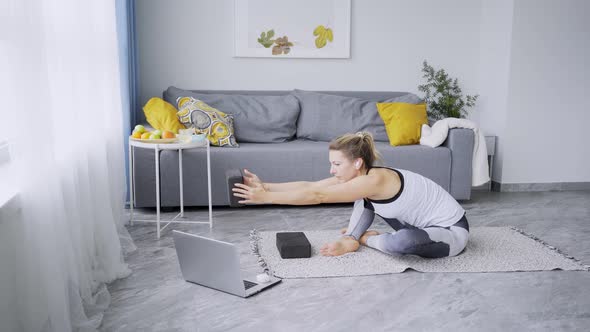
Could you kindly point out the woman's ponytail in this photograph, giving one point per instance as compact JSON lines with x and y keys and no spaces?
{"x":358,"y":145}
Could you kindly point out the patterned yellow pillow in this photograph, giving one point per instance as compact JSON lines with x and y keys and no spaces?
{"x":218,"y":126}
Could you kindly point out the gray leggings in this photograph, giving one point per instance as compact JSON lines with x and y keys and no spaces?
{"x":429,"y":242}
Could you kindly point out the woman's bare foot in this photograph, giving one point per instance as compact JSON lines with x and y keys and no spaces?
{"x":339,"y":247}
{"x":363,"y":239}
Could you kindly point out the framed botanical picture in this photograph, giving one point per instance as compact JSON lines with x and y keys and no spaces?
{"x":292,"y":28}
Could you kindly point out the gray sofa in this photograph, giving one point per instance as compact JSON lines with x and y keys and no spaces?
{"x":284,"y":135}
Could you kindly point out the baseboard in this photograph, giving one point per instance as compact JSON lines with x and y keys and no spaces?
{"x":553,"y":186}
{"x":483,"y":187}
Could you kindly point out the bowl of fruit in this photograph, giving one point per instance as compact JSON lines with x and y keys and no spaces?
{"x":156,"y":136}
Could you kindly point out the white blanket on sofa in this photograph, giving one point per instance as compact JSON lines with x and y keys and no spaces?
{"x":436,"y":135}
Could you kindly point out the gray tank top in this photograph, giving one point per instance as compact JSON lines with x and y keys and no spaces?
{"x":420,"y":202}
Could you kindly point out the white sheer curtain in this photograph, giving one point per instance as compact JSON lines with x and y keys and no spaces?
{"x":61,"y":107}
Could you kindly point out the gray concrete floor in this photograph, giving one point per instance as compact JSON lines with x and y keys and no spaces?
{"x":156,"y":298}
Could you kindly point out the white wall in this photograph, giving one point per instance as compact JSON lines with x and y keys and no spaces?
{"x":524,"y":58}
{"x":494,"y":73}
{"x":189,"y":43}
{"x":548,"y":107}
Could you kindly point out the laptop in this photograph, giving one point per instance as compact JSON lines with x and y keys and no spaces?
{"x":214,"y":264}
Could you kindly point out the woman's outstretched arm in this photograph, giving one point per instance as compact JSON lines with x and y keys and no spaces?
{"x":252,"y":180}
{"x":300,"y":185}
{"x":357,"y":188}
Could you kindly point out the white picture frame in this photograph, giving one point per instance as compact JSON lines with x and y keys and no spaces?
{"x":299,"y":21}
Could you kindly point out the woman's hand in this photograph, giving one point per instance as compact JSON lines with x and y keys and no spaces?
{"x":252,"y":180}
{"x":250,"y":194}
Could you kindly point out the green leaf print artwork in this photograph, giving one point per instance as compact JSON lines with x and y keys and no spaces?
{"x":323,"y":36}
{"x":283,"y":45}
{"x":266,"y":38}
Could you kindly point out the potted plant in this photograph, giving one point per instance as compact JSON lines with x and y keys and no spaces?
{"x":443,"y":96}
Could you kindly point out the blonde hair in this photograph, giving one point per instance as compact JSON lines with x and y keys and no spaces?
{"x":358,"y":145}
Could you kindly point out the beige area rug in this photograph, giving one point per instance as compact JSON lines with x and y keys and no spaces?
{"x":490,"y":249}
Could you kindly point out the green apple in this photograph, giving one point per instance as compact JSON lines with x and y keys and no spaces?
{"x":157,"y":132}
{"x":139,"y":128}
{"x":154,"y":136}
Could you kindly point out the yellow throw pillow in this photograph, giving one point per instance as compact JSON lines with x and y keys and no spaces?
{"x":162,"y":115}
{"x":403,"y":122}
{"x":218,"y":126}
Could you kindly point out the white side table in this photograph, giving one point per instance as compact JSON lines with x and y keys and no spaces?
{"x":157,"y":148}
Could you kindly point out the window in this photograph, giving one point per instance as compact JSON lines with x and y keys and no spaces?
{"x":4,"y":154}
{"x":8,"y":70}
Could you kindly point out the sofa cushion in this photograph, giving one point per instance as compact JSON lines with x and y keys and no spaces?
{"x":162,"y":115}
{"x":326,"y":116}
{"x":257,"y":119}
{"x":218,"y":126}
{"x":403,"y":122}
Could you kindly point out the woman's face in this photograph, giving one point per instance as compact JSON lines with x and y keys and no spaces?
{"x":341,"y":167}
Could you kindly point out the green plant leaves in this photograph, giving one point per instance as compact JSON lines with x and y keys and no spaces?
{"x":443,"y":95}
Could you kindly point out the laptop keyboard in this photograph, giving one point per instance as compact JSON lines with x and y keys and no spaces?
{"x":249,"y":284}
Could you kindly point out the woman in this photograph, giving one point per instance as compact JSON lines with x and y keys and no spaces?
{"x":427,"y":220}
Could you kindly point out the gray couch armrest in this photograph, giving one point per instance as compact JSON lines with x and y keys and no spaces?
{"x":460,"y":142}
